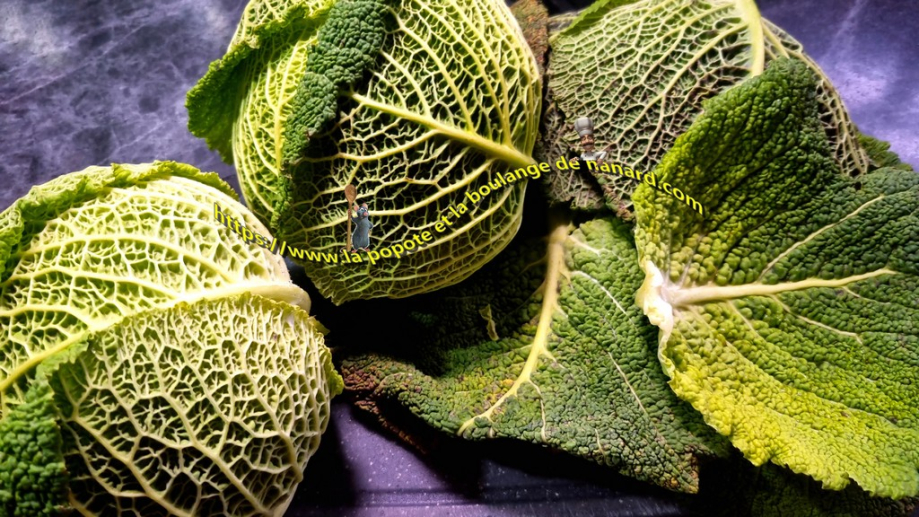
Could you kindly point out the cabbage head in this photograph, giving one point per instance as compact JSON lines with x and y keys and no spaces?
{"x":414,"y":103}
{"x":152,"y":361}
{"x":642,"y":70}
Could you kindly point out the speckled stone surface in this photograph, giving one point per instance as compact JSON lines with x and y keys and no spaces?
{"x":88,"y":82}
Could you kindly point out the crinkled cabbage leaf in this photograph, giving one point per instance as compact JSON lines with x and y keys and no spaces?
{"x":788,"y":314}
{"x":413,"y":103}
{"x":208,"y":408}
{"x":543,"y":345}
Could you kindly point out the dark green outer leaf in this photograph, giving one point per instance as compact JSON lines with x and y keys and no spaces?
{"x":545,"y":347}
{"x":32,"y":474}
{"x":880,"y":155}
{"x":533,"y":18}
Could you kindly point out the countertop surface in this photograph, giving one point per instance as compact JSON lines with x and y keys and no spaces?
{"x":90,"y":82}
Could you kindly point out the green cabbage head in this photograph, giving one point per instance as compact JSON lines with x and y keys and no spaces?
{"x":152,"y":362}
{"x":412,"y":102}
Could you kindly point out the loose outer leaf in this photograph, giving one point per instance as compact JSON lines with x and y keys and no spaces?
{"x":546,"y":346}
{"x":788,"y":314}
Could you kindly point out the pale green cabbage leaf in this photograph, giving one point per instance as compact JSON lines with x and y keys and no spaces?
{"x":218,"y":415}
{"x":788,"y":314}
{"x":641,"y":71}
{"x":159,"y":362}
{"x":413,"y":103}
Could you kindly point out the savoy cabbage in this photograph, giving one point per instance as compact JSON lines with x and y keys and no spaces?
{"x":152,"y":361}
{"x":412,"y":102}
{"x":641,"y":69}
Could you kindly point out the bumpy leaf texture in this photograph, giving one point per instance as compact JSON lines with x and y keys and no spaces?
{"x":533,"y":18}
{"x":641,"y":71}
{"x":545,"y":345}
{"x":412,"y":102}
{"x":788,"y":315}
{"x":33,"y":479}
{"x":134,"y":252}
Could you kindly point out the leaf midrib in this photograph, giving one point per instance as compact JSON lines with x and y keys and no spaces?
{"x":274,"y":290}
{"x":505,"y":153}
{"x":697,"y":295}
{"x":539,"y":347}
